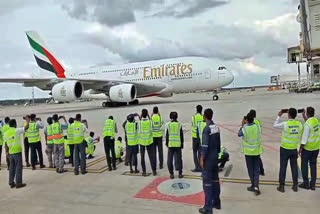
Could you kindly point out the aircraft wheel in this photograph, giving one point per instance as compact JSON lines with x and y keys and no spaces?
{"x":215,"y":97}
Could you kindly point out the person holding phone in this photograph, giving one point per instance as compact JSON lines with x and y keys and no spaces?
{"x":291,"y":134}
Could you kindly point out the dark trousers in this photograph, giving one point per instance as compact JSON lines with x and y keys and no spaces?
{"x":151,"y":149}
{"x":26,"y":150}
{"x":79,"y":156}
{"x":223,"y":160}
{"x":109,"y":146}
{"x":253,"y":169}
{"x":36,"y":148}
{"x":285,"y":156}
{"x":127,"y":156}
{"x":196,"y":152}
{"x":133,"y":153}
{"x":71,"y":146}
{"x":211,"y":188}
{"x":15,"y":171}
{"x":176,"y":155}
{"x":309,"y":157}
{"x":157,"y":141}
{"x":261,"y":166}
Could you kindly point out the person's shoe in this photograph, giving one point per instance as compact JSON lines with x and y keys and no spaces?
{"x":63,"y":171}
{"x":76,"y":173}
{"x":12,"y":185}
{"x":172,"y":176}
{"x":304,"y":186}
{"x":114,"y":168}
{"x":144,"y":174}
{"x":180,"y":176}
{"x":220,"y":169}
{"x":250,"y":189}
{"x":217,"y":204}
{"x":28,"y":164}
{"x":204,"y":211}
{"x":295,"y":188}
{"x":57,"y":170}
{"x":136,"y":171}
{"x":131,"y":171}
{"x":154,"y":173}
{"x":120,"y":160}
{"x":196,"y":170}
{"x":160,"y":167}
{"x":85,"y":172}
{"x":262,"y":173}
{"x":257,"y":191}
{"x":280,"y":188}
{"x":126,"y":164}
{"x":37,"y":163}
{"x":42,"y":166}
{"x":18,"y":186}
{"x":313,"y":188}
{"x":33,"y":167}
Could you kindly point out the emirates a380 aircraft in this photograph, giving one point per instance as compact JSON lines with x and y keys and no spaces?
{"x":123,"y":84}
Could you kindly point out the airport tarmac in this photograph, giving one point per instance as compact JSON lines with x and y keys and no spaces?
{"x":101,"y":191}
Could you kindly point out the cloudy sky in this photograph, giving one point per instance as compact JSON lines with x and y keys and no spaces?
{"x":248,"y":37}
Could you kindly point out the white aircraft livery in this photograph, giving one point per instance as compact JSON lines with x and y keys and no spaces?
{"x":119,"y":84}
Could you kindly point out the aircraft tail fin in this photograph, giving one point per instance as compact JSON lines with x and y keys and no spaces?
{"x":45,"y":60}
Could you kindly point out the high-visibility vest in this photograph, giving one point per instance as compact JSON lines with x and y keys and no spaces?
{"x":251,"y":140}
{"x":33,"y":133}
{"x":145,"y":132}
{"x":156,"y":125}
{"x":174,"y":134}
{"x":197,"y":118}
{"x":200,"y":128}
{"x":69,"y":139}
{"x":109,"y":128}
{"x":57,"y":133}
{"x":49,"y":134}
{"x":256,"y":121}
{"x":12,"y":139}
{"x":78,"y":134}
{"x":222,"y":151}
{"x":5,"y":128}
{"x":90,"y":148}
{"x":118,"y":147}
{"x":131,"y":132}
{"x":314,"y":134}
{"x":1,"y":135}
{"x":291,"y":134}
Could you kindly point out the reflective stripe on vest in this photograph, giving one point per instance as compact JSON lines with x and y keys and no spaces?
{"x":33,"y":133}
{"x":78,"y":134}
{"x":251,"y":140}
{"x":49,"y":134}
{"x":131,"y":132}
{"x":109,"y":128}
{"x":174,"y":134}
{"x":57,"y":133}
{"x":145,"y":133}
{"x":313,"y":142}
{"x":12,"y":140}
{"x":201,"y":127}
{"x":197,"y":118}
{"x":69,"y":135}
{"x":291,"y":134}
{"x":156,"y":125}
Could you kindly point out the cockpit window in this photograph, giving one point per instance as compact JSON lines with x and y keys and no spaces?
{"x":222,"y":68}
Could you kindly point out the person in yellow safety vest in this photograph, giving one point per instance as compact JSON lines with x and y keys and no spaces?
{"x":91,"y":140}
{"x":13,"y":146}
{"x":252,"y":149}
{"x":291,"y":135}
{"x":1,"y":141}
{"x":69,"y":141}
{"x":157,"y":133}
{"x":49,"y":141}
{"x":108,"y":134}
{"x":256,"y":121}
{"x":5,"y":127}
{"x":132,"y":149}
{"x":118,"y":148}
{"x":197,"y":118}
{"x":79,"y":128}
{"x":146,"y":142}
{"x":174,"y":142}
{"x":34,"y":140}
{"x":26,"y":145}
{"x":58,"y":141}
{"x":309,"y":149}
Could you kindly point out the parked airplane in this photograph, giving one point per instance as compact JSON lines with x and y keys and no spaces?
{"x":119,"y":84}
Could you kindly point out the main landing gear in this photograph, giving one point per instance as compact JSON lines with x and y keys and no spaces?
{"x":215,"y":97}
{"x":117,"y":104}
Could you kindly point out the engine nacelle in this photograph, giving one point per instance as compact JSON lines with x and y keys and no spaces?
{"x":123,"y":93}
{"x":67,"y":91}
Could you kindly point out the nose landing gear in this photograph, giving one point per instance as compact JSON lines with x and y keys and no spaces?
{"x":215,"y":97}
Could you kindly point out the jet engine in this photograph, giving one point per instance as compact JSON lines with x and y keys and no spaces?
{"x":67,"y":91}
{"x":123,"y":93}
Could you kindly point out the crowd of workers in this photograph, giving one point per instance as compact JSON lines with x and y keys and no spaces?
{"x":144,"y":133}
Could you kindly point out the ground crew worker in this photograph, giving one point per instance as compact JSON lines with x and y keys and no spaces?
{"x":109,"y":131}
{"x":49,"y":141}
{"x":132,"y":141}
{"x":4,"y":129}
{"x":69,"y":140}
{"x":91,"y":140}
{"x":223,"y":158}
{"x":26,"y":146}
{"x":14,"y":149}
{"x":127,"y":156}
{"x":256,"y":121}
{"x":79,"y":129}
{"x":157,"y":133}
{"x":209,"y":163}
{"x":174,"y":142}
{"x":252,"y":149}
{"x":118,"y":148}
{"x":1,"y":141}
{"x":146,"y":142}
{"x":291,"y":134}
{"x":34,"y":140}
{"x":195,"y":140}
{"x":309,"y":149}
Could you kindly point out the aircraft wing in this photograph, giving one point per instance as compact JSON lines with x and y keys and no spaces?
{"x":101,"y":86}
